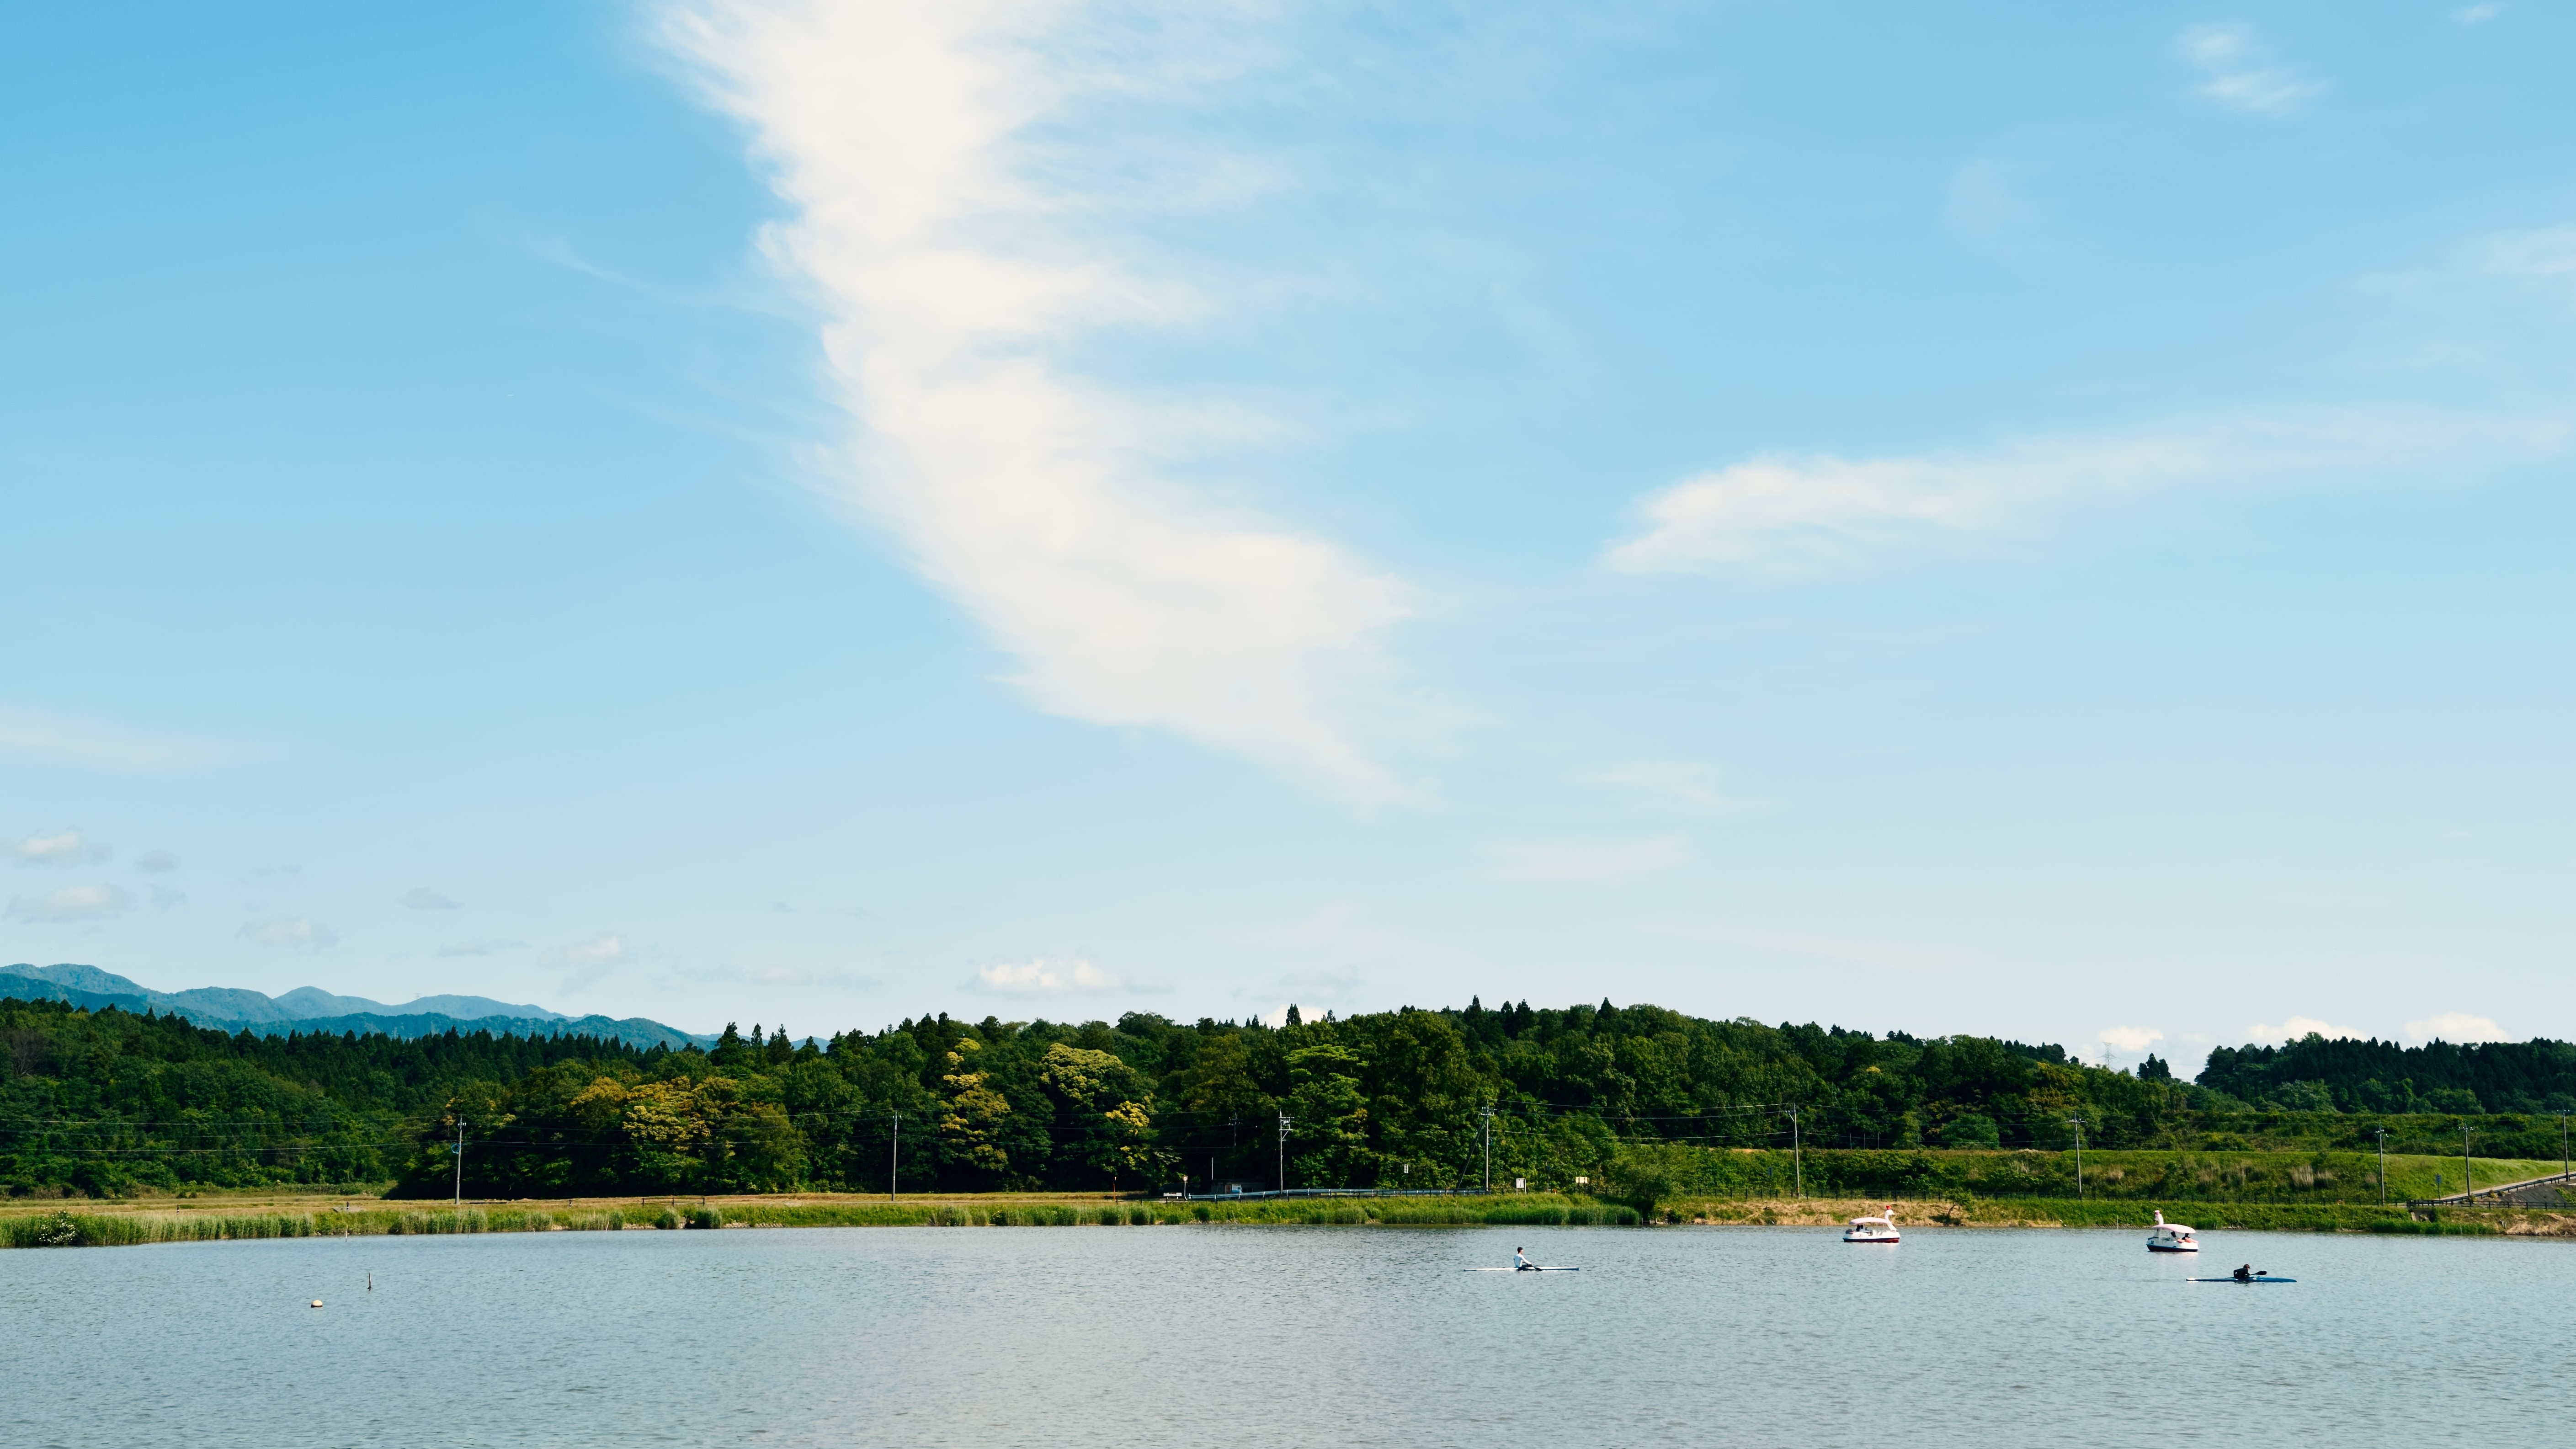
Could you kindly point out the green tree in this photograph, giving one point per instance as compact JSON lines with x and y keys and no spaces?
{"x":1105,"y":1110}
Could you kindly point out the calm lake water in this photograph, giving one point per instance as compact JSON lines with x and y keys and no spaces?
{"x":1286,"y":1336}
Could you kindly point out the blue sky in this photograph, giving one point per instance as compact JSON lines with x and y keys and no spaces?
{"x":2042,"y":523}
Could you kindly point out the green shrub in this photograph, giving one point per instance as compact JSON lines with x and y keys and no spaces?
{"x":1971,"y":1129}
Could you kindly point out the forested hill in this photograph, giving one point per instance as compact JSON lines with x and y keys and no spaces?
{"x":2343,"y":1075}
{"x":108,"y":1101}
{"x":308,"y":1011}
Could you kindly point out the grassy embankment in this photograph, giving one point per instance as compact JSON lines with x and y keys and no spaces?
{"x":2290,"y":1191}
{"x":2096,"y":1213}
{"x":2150,"y":1176}
{"x":63,"y":1228}
{"x":35,"y":1227}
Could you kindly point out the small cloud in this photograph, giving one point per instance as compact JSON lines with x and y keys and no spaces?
{"x":71,"y":903}
{"x":51,"y":737}
{"x":1586,"y":860}
{"x":491,"y":946}
{"x":2213,"y":46}
{"x":780,"y":976}
{"x":2475,"y":14}
{"x":291,"y":933}
{"x":782,"y":908}
{"x":1047,"y":978}
{"x":1980,"y":201}
{"x":164,"y":898}
{"x":2546,"y":255}
{"x":157,"y":862}
{"x":2298,"y":1027}
{"x":1855,"y":953}
{"x":63,"y":847}
{"x":2223,"y":54}
{"x":2457,"y":1027}
{"x":422,"y":898}
{"x":593,"y":960}
{"x":1677,"y":781}
{"x":1787,"y":517}
{"x":2130,"y":1038}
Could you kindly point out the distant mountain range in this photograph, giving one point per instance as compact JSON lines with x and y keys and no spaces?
{"x":311,"y":1009}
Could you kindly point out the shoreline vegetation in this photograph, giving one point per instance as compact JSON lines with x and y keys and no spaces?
{"x":1633,"y":1110}
{"x":35,"y":1225}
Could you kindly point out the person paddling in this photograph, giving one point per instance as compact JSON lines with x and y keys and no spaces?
{"x":1521,"y":1262}
{"x":2245,"y":1273}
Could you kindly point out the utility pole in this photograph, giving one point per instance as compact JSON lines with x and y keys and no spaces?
{"x":894,"y":1166}
{"x":2468,"y":1183}
{"x":1489,"y":1147}
{"x":1797,"y":1155}
{"x":2563,"y":1170}
{"x":2078,"y":1124}
{"x":1283,"y":1152}
{"x":460,"y":1162}
{"x":2383,"y":1165}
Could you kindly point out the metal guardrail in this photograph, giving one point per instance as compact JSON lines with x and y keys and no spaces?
{"x":1328,"y":1192}
{"x":2470,"y":1198}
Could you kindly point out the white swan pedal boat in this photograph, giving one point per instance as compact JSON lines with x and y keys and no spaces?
{"x":1879,"y":1229}
{"x":2173,"y":1237}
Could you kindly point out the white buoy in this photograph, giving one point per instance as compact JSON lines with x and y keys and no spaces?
{"x":317,"y":1302}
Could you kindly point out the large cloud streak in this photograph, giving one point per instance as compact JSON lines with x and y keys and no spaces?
{"x":954,"y":275}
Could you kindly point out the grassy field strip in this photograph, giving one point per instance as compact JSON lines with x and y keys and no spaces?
{"x":2129,"y":1174}
{"x":62,"y":1228}
{"x":2208,"y":1216}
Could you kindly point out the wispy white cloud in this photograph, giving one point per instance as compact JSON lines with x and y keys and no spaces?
{"x":1570,"y":860}
{"x":422,"y":898}
{"x":2457,"y":1027}
{"x":1676,"y":781}
{"x":481,"y":946}
{"x":81,"y":742}
{"x":779,"y":976}
{"x":954,"y":264}
{"x":2231,"y":74}
{"x":1982,"y":201}
{"x":2298,"y":1027}
{"x":1853,"y":953}
{"x":2130,"y":1038}
{"x":1047,"y":977}
{"x":156,"y":862}
{"x":1786,"y":517}
{"x":2475,"y":14}
{"x":71,"y":903}
{"x":290,"y":933}
{"x":63,"y":847}
{"x":589,"y":962}
{"x":2544,"y":255}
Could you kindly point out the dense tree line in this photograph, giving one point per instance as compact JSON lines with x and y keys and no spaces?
{"x":107,"y":1100}
{"x":2343,"y":1075}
